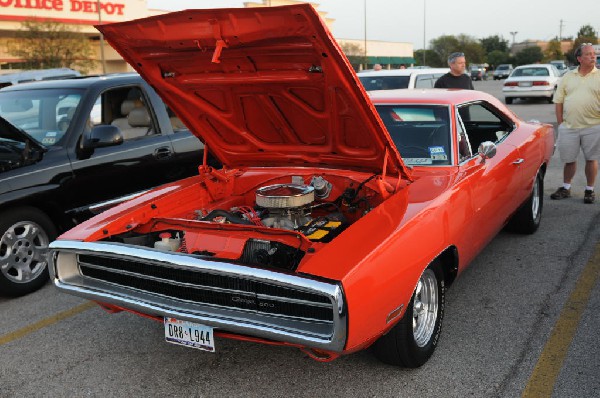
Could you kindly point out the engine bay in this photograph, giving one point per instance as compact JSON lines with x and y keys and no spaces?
{"x":274,"y":223}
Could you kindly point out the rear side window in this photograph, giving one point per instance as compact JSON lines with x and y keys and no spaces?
{"x":421,"y":133}
{"x":384,"y":82}
{"x":424,"y":81}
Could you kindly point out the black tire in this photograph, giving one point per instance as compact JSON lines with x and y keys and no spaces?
{"x":508,"y":100}
{"x":551,"y":98}
{"x":412,"y":341}
{"x":527,"y":219}
{"x":25,"y":234}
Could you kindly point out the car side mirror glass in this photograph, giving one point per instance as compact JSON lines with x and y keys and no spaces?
{"x":486,"y":150}
{"x":102,"y":136}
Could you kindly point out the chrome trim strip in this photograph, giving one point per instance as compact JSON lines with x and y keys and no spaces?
{"x":328,"y":335}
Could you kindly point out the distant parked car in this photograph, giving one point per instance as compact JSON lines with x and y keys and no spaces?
{"x":478,"y":72}
{"x":401,"y":78}
{"x":72,"y":148}
{"x":531,"y":81}
{"x":502,"y":71}
{"x":561,"y":66}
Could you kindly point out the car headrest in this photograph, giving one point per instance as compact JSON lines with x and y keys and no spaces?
{"x":129,"y":104}
{"x":139,"y":117}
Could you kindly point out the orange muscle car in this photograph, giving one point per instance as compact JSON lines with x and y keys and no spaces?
{"x":339,"y":217}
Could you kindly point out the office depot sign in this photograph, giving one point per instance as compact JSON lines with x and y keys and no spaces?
{"x":70,"y":10}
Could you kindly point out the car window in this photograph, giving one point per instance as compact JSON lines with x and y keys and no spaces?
{"x":420,"y":132}
{"x":482,"y":122}
{"x":424,"y":81}
{"x":384,"y":82}
{"x":45,"y":114}
{"x":176,"y":122}
{"x":125,"y":108}
{"x":531,"y":72}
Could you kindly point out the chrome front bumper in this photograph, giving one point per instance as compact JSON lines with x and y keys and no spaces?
{"x":229,"y":297}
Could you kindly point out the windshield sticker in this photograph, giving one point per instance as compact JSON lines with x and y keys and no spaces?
{"x":51,"y":134}
{"x":418,"y":161}
{"x":437,"y":153}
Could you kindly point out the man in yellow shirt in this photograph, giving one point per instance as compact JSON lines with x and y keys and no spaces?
{"x":577,"y":102}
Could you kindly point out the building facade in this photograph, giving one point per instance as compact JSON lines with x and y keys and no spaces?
{"x":82,"y":15}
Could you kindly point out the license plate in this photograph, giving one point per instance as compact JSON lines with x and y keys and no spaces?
{"x":189,"y":334}
{"x":525,"y":84}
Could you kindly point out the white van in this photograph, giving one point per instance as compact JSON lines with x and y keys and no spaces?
{"x":400,"y":78}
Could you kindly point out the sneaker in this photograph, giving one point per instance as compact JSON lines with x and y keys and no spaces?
{"x":589,"y":196}
{"x":562,"y":193}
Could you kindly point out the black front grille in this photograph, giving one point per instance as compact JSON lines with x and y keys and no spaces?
{"x":207,"y":288}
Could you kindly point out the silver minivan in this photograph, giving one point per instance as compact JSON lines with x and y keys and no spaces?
{"x":503,"y":71}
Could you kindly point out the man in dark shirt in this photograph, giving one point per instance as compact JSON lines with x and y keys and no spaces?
{"x":456,"y":78}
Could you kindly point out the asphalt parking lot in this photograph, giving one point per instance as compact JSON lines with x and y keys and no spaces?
{"x":521,"y":321}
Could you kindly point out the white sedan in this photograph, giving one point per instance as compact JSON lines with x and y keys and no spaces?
{"x":531,"y":81}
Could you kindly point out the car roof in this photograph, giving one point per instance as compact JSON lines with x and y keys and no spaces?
{"x":534,"y":66}
{"x":403,"y":72}
{"x":76,"y":82}
{"x":433,"y":95}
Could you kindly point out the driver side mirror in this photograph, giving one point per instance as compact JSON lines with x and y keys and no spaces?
{"x":486,"y":150}
{"x":102,"y":136}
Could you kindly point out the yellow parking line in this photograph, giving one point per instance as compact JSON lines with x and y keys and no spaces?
{"x":542,"y":380}
{"x":17,"y":334}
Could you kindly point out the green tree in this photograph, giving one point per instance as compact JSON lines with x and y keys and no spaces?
{"x":498,"y":57}
{"x":586,"y":34}
{"x":49,"y":44}
{"x":494,"y":43}
{"x":443,"y":46}
{"x":474,"y":51}
{"x":446,"y":45}
{"x":529,"y":55}
{"x":553,"y":51}
{"x":431,"y":59}
{"x":355,"y":54}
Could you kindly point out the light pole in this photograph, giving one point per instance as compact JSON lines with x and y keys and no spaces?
{"x":513,"y":35}
{"x":101,"y":39}
{"x":365,"y":43}
{"x":424,"y":29}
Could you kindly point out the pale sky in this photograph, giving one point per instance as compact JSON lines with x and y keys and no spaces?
{"x":403,"y":20}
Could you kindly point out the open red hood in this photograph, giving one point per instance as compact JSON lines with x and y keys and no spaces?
{"x":260,"y":86}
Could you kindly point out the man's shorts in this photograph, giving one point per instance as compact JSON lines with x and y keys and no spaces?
{"x":571,"y":140}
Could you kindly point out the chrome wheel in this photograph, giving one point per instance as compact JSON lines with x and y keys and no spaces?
{"x":23,"y":252}
{"x":425,"y":308}
{"x":535,"y":199}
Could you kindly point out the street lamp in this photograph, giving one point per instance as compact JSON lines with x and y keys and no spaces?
{"x":365,"y":12}
{"x":424,"y":29}
{"x":101,"y":38}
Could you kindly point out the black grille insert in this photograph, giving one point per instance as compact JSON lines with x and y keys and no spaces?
{"x":206,"y":288}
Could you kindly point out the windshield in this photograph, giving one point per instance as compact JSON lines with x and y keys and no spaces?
{"x":421,"y":132}
{"x":384,"y":82}
{"x":530,"y":72}
{"x":44,"y":114}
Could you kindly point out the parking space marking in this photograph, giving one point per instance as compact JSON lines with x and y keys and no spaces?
{"x":544,"y":375}
{"x":17,"y":334}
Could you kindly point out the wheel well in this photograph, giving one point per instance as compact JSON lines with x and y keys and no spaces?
{"x":449,"y":262}
{"x":50,"y":209}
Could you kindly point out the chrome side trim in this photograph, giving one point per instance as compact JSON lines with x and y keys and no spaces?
{"x":320,"y":334}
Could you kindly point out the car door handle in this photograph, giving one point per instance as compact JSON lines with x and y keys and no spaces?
{"x":519,"y":161}
{"x":163,"y":153}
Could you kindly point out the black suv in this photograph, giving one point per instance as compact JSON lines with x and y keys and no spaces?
{"x":71,"y":148}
